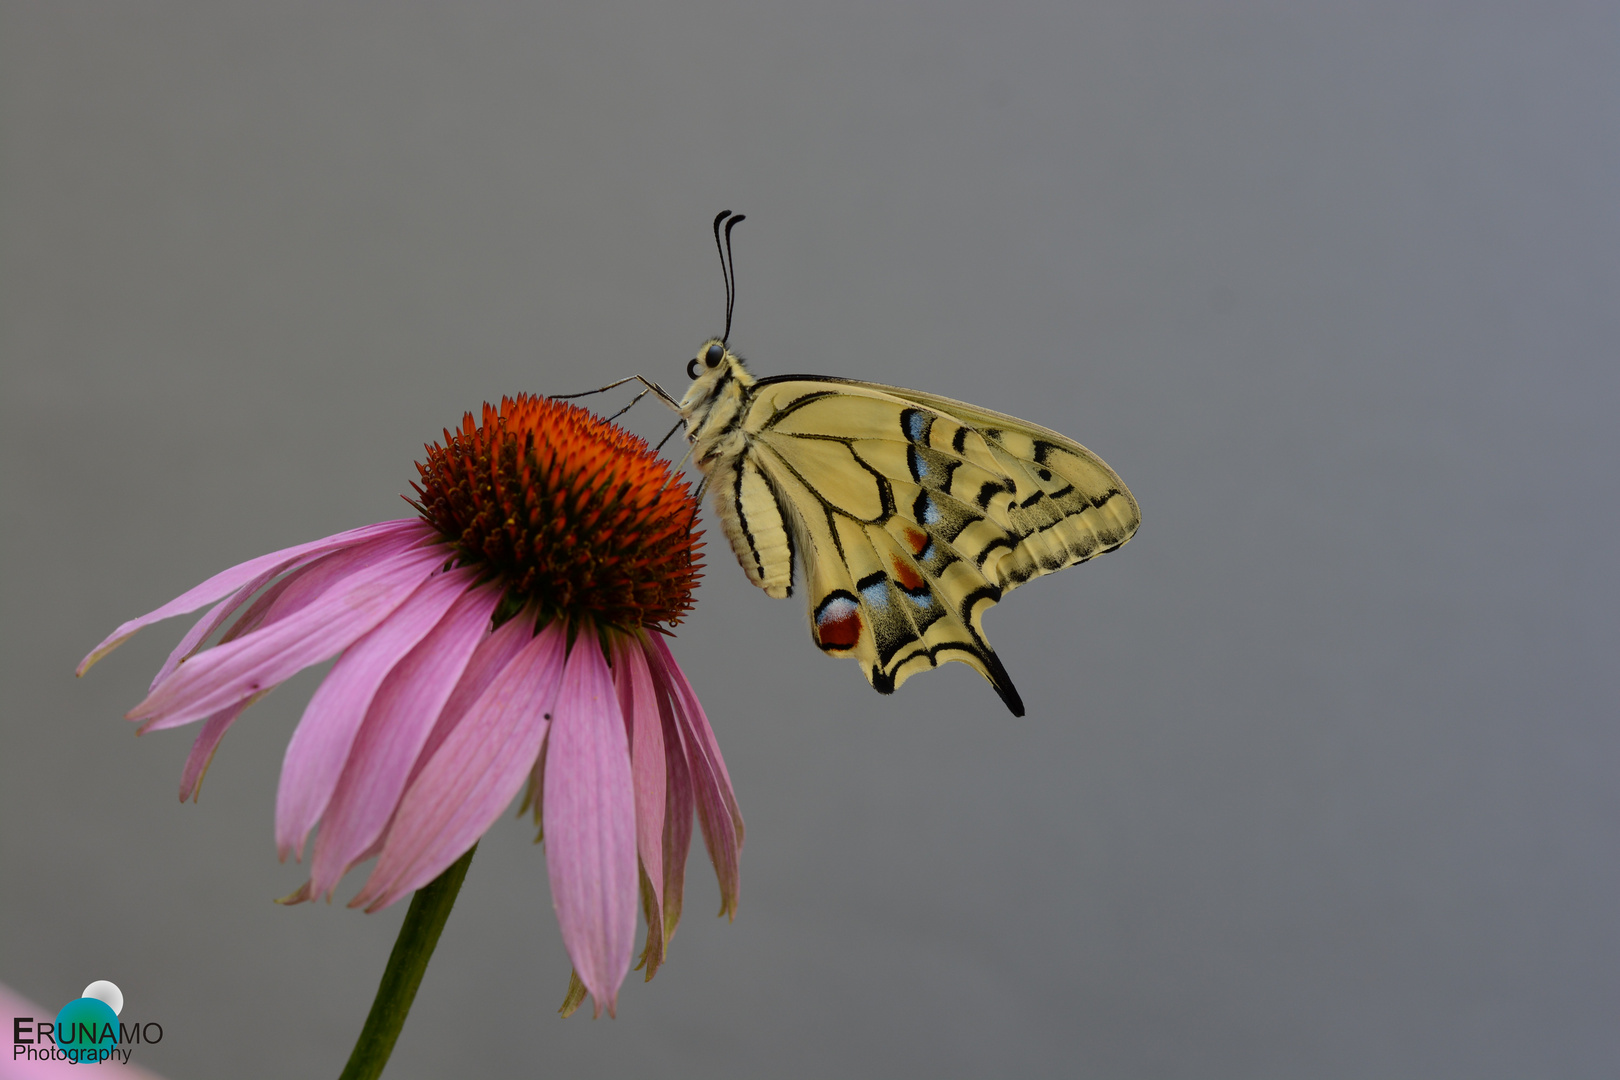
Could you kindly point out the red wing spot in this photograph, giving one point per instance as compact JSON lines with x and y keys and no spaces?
{"x":918,"y":541}
{"x":906,"y":575}
{"x":839,"y":624}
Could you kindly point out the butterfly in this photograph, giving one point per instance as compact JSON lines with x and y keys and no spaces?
{"x":912,"y":514}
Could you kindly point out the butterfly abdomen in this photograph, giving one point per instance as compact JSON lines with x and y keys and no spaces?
{"x":755,"y":522}
{"x":751,"y":515}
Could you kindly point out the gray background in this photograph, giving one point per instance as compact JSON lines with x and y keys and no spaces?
{"x":1318,"y":777}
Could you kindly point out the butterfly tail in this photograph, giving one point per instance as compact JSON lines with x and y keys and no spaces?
{"x":1001,"y":682}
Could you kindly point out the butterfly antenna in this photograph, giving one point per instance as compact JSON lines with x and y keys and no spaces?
{"x":725,"y":272}
{"x":731,"y":298}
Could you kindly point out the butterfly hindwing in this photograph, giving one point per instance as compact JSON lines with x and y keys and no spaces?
{"x":894,"y":596}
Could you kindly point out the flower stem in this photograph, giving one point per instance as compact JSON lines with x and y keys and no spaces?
{"x":430,"y":907}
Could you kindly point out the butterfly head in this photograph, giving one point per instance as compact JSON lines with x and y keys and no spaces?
{"x":719,"y":379}
{"x":713,"y":358}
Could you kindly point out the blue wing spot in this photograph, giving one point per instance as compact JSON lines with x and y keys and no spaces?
{"x":876,"y":594}
{"x":915,"y":461}
{"x":925,"y":511}
{"x":915,"y":424}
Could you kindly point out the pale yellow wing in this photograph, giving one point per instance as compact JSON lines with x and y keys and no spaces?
{"x":912,"y":515}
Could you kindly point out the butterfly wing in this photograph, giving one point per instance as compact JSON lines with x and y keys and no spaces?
{"x":912,"y":514}
{"x":1067,"y":504}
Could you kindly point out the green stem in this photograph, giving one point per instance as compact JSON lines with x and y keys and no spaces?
{"x":430,"y":907}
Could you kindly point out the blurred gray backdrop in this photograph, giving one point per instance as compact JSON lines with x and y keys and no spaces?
{"x":1318,"y":776}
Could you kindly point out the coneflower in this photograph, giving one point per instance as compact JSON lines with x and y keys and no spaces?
{"x":509,"y":636}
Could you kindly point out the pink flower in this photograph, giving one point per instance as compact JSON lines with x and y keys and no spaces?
{"x":507,"y":637}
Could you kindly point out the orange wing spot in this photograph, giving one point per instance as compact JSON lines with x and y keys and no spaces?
{"x":838,"y":626}
{"x":906,"y":575}
{"x":918,"y":540}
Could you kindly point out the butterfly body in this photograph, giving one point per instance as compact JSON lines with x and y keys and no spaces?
{"x":912,"y":514}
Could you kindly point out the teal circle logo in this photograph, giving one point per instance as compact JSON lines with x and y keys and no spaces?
{"x":85,"y":1028}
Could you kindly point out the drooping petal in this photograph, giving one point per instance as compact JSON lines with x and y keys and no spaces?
{"x":320,"y":744}
{"x":202,"y":750}
{"x":717,"y":810}
{"x":638,"y":702}
{"x":229,"y":672}
{"x":652,"y":910}
{"x":489,"y":659}
{"x":208,"y":624}
{"x":396,"y":726}
{"x":302,"y":585}
{"x":590,"y":816}
{"x":472,"y":776}
{"x":575,"y":997}
{"x":676,"y":680}
{"x":303,"y":582}
{"x":719,"y":837}
{"x":677,"y":815}
{"x":532,"y":795}
{"x":228,"y":581}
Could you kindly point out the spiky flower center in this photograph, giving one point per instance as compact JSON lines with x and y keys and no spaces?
{"x":568,"y":511}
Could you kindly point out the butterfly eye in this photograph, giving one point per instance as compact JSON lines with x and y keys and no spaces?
{"x":691,"y":368}
{"x":713,"y":356}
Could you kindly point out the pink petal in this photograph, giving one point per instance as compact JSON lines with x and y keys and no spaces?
{"x":305,"y":580}
{"x":590,"y":815}
{"x":290,"y":594}
{"x":222,"y":584}
{"x":717,"y":810}
{"x":320,"y":744}
{"x":397,"y":724}
{"x":207,"y":625}
{"x":258,"y":661}
{"x":677,"y":816}
{"x":473,"y":776}
{"x":494,"y":652}
{"x":202,"y":751}
{"x":638,"y":702}
{"x":533,"y":802}
{"x":308,"y":582}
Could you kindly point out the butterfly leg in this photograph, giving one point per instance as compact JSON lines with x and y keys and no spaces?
{"x":630,"y":406}
{"x":662,"y":394}
{"x":665,"y":439}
